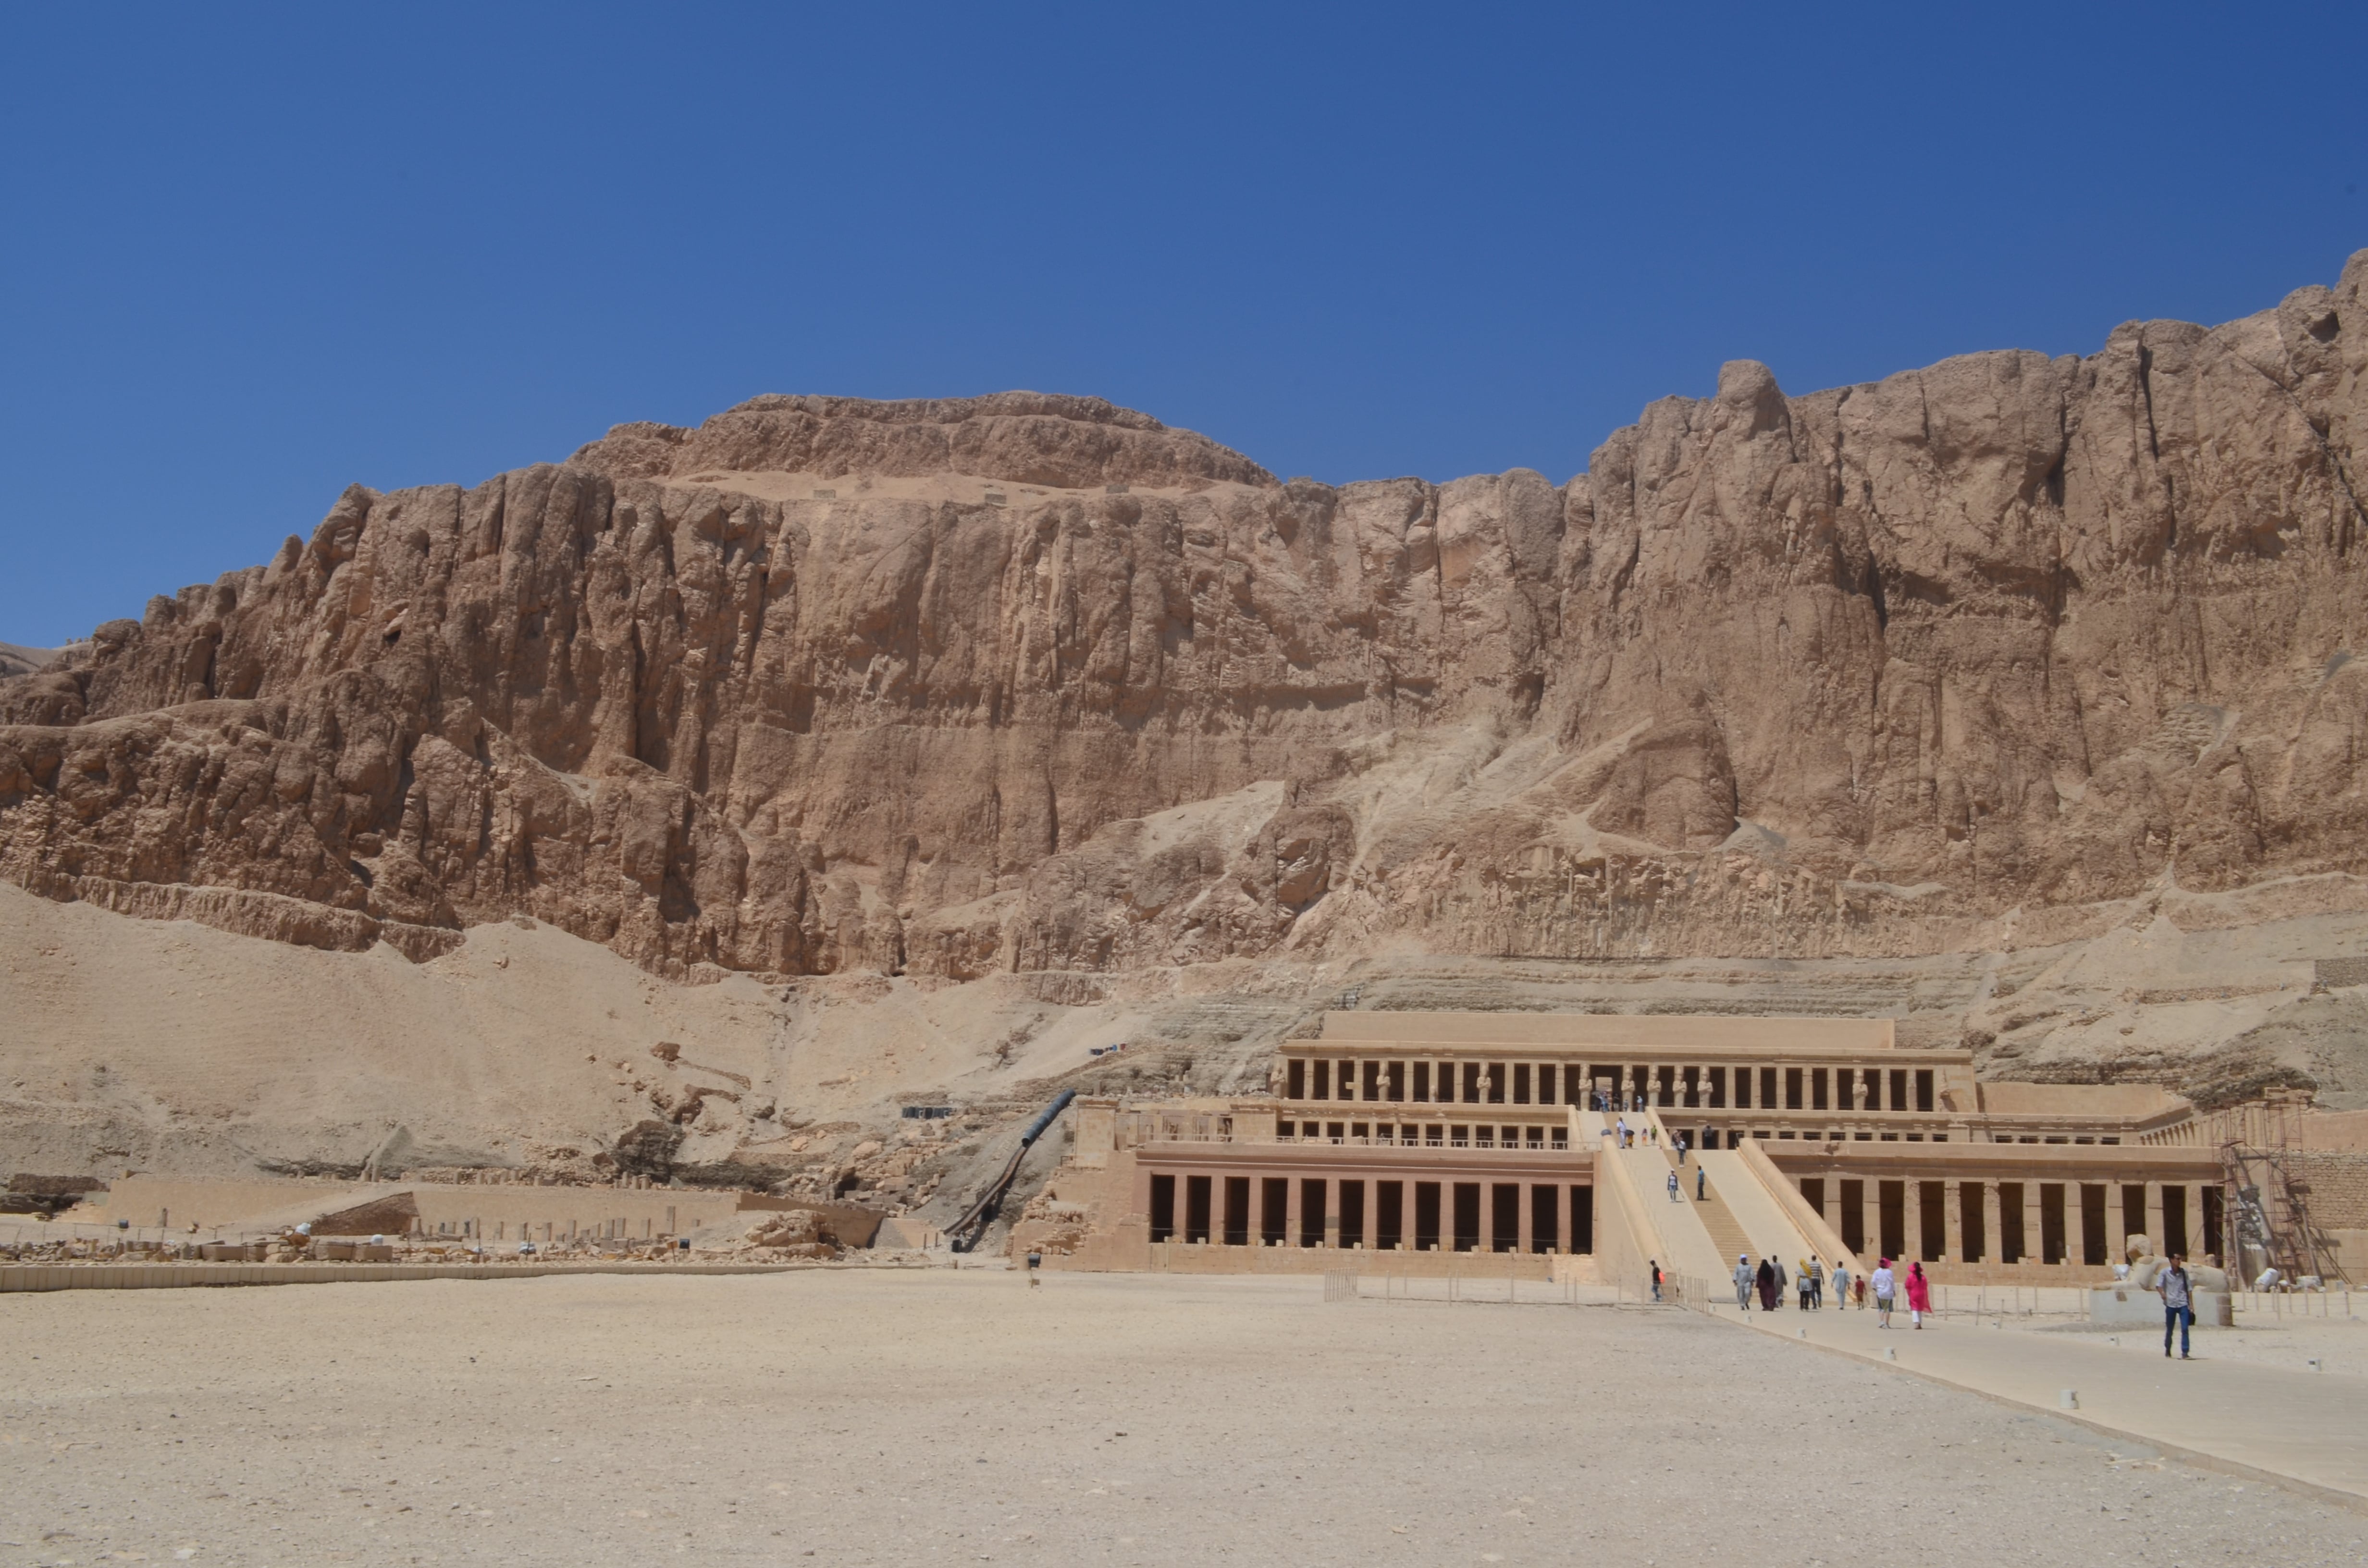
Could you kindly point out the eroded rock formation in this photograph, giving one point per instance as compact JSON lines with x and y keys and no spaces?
{"x":1032,"y":682}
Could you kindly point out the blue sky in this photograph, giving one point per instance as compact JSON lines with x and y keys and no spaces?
{"x":251,"y":254}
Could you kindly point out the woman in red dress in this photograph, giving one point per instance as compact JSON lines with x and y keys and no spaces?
{"x":1919,"y":1295}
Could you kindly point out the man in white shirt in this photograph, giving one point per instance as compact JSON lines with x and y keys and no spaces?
{"x":2177,"y":1303}
{"x":1886,"y":1285}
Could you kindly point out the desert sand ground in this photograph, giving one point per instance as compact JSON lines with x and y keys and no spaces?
{"x":861,"y":1418}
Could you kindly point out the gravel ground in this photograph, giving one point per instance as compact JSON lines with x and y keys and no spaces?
{"x":885,"y":1418}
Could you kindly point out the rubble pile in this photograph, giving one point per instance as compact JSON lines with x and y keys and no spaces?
{"x":798,"y":1232}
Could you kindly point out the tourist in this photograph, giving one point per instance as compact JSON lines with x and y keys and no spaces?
{"x":1682,"y":1148}
{"x":1675,"y":1196}
{"x":1919,"y":1295}
{"x":1743,"y":1281}
{"x":1656,"y":1278}
{"x":1782,"y":1282}
{"x":2177,"y":1303}
{"x":1815,"y":1273}
{"x":1885,"y":1286}
{"x":1801,"y":1281}
{"x":1841,"y":1285}
{"x":1766,"y":1280}
{"x":1859,"y":1284}
{"x":1699,"y":1187}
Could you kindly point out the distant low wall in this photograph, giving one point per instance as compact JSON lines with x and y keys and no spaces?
{"x":2125,"y":1308}
{"x":23,"y":1277}
{"x":1201,"y":1258}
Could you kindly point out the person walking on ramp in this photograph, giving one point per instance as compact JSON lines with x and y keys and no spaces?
{"x":1919,"y":1295}
{"x":1886,"y":1286}
{"x":1743,"y":1282}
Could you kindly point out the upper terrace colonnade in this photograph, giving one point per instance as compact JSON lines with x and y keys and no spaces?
{"x":1822,"y":1079}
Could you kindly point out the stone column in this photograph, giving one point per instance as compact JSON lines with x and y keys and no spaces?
{"x":1524,"y":1218}
{"x":1294,"y":1212}
{"x":2034,"y":1248}
{"x":1993,"y":1224}
{"x":2154,"y":1216}
{"x":2075,"y":1224}
{"x":1332,"y":1214}
{"x":1952,"y":1226}
{"x":1487,"y":1215}
{"x":1871,"y":1217}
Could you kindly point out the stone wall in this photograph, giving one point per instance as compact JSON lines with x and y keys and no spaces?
{"x":2339,"y":1187}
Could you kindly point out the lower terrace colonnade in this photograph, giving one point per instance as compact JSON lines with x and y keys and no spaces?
{"x":2018,"y":1217}
{"x":1457,"y":1212}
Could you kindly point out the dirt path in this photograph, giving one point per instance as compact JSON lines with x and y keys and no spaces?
{"x":960,"y":1417}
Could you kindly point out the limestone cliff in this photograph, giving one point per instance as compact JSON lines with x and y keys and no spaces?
{"x":1032,"y":683}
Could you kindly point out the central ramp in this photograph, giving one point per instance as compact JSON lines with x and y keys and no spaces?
{"x":1632,"y":1192}
{"x":1731,"y":1203}
{"x":1766,"y":1229}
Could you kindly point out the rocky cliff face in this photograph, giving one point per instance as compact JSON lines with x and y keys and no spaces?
{"x":1032,"y":683}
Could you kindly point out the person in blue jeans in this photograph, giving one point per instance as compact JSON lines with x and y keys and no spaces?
{"x":2177,"y":1303}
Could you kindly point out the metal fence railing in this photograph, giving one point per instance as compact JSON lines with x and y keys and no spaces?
{"x":2332,"y":1302}
{"x":1501,"y":1287}
{"x":2000,"y":1304}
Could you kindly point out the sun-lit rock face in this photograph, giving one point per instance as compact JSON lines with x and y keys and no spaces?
{"x":956,"y":686}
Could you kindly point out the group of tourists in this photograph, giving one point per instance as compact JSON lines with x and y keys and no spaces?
{"x":1626,"y":1137}
{"x":1810,"y":1276}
